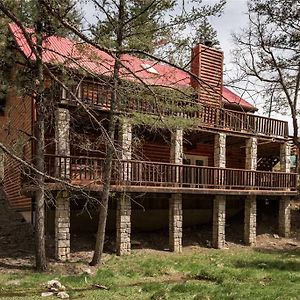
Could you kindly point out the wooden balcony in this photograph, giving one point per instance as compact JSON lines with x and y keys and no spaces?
{"x":209,"y":117}
{"x":163,"y":177}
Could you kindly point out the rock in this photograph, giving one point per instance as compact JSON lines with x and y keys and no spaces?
{"x":276,"y":236}
{"x":47,"y":294}
{"x":55,"y":286}
{"x":88,"y":271}
{"x":63,"y":295}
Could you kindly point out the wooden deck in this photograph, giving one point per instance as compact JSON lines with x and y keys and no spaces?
{"x":145,"y":176}
{"x":205,"y":116}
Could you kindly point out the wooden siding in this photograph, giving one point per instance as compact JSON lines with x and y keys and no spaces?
{"x":207,"y":64}
{"x":15,"y":133}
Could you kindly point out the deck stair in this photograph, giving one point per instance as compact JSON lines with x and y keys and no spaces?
{"x":267,"y":163}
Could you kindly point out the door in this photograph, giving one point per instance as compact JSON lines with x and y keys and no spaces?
{"x":194,"y":177}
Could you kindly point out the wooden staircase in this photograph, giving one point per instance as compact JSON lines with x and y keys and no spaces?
{"x":267,"y":163}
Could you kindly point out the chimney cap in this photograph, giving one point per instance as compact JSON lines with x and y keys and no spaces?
{"x":208,"y":43}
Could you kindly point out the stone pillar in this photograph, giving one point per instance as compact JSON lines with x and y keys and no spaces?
{"x":220,"y":150}
{"x":125,"y":139}
{"x":123,"y":222}
{"x":176,"y":151}
{"x":175,"y":223}
{"x":219,"y":205}
{"x":284,"y":217}
{"x":219,"y":214}
{"x":62,"y":139}
{"x":285,"y":157}
{"x":250,"y":220}
{"x":62,"y":226}
{"x":123,"y":225}
{"x":125,"y":144}
{"x":175,"y":202}
{"x":2,"y":166}
{"x":62,"y":209}
{"x":251,"y":154}
{"x":250,"y":201}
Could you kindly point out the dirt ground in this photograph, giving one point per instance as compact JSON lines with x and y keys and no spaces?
{"x":17,"y":240}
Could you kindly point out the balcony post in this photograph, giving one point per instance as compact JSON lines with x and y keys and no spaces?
{"x":251,"y":154}
{"x":62,"y":209}
{"x":175,"y":202}
{"x":219,"y":204}
{"x":123,"y":222}
{"x":284,"y":217}
{"x":62,"y":141}
{"x":220,"y":150}
{"x":285,"y":157}
{"x":250,"y":201}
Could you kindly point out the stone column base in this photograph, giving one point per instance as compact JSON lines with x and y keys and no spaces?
{"x":250,"y":220}
{"x":175,"y":223}
{"x":62,"y":226}
{"x":219,"y":214}
{"x":123,"y":225}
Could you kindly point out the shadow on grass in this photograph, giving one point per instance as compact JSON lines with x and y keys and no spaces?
{"x":284,"y":260}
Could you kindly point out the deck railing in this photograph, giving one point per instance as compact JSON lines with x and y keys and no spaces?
{"x":208,"y":116}
{"x":158,"y":174}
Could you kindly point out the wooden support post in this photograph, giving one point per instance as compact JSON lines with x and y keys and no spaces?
{"x":285,"y":157}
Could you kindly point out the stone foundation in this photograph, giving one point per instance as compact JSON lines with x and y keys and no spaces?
{"x":62,"y":226}
{"x":175,"y":223}
{"x":284,"y":217}
{"x":250,"y":220}
{"x":123,"y":225}
{"x":219,"y":214}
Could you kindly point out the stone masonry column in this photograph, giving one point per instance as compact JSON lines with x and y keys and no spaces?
{"x":62,"y":209}
{"x":250,"y":220}
{"x":2,"y":166}
{"x":123,"y":222}
{"x":285,"y":157}
{"x":175,"y":202}
{"x":284,"y":217}
{"x":219,"y":214}
{"x":250,"y":201}
{"x":62,"y":226}
{"x":123,"y":225}
{"x":284,"y":224}
{"x":219,"y":205}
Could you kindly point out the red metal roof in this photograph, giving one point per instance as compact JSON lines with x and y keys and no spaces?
{"x":72,"y":54}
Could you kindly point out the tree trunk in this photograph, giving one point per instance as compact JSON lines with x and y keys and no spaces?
{"x":110,"y":149}
{"x":40,"y":252}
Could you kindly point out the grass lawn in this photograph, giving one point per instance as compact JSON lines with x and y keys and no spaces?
{"x":241,"y":273}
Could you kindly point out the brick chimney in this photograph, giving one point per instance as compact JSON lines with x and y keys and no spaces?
{"x":207,"y":65}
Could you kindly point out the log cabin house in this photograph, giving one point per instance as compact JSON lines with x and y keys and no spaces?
{"x":185,"y":175}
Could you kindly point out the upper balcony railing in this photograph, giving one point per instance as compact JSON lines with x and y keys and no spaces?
{"x":205,"y":116}
{"x":88,"y":170}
